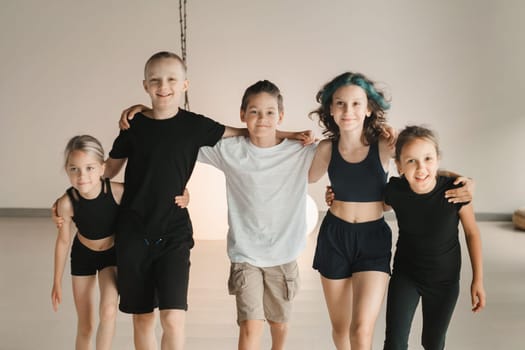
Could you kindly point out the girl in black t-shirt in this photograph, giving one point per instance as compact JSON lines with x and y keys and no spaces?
{"x":428,"y":258}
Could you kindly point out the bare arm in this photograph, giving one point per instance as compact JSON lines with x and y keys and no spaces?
{"x":307,"y":137}
{"x":231,"y":132}
{"x":461,"y":194}
{"x":129,"y":113}
{"x":321,"y":160}
{"x":63,"y":242}
{"x":473,"y":238}
{"x":113,"y":166}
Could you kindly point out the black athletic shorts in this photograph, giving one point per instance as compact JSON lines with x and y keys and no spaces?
{"x":86,"y":262}
{"x":152,"y":273}
{"x":344,"y":248}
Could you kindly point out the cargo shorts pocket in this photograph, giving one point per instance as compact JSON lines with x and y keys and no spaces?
{"x":237,"y":279}
{"x":292,"y":280}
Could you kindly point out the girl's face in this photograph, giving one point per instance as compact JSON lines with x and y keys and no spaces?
{"x":349,"y":108}
{"x":84,"y":171}
{"x":419,"y":163}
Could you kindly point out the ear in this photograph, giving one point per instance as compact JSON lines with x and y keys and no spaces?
{"x":144,"y":85}
{"x":185,"y":85}
{"x":241,"y":113}
{"x":368,"y":112}
{"x":281,"y":117}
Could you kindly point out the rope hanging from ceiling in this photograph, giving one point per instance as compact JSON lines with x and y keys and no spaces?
{"x":182,"y":22}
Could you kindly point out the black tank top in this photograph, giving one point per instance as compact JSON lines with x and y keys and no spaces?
{"x":95,"y":218}
{"x":357,"y":182}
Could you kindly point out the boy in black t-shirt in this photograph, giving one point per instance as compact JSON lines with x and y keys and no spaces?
{"x":154,"y":236}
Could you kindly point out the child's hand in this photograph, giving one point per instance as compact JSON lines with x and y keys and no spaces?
{"x":184,"y":200}
{"x":307,"y":137}
{"x":477,"y":294}
{"x":58,"y":220}
{"x":128,"y":114}
{"x":56,"y":296}
{"x":461,"y":194}
{"x":329,"y":195}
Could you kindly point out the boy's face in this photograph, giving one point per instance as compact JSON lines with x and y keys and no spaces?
{"x":262,"y":115}
{"x":165,"y":82}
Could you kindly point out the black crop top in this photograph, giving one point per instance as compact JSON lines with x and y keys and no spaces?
{"x":95,"y":218}
{"x":357,"y":182}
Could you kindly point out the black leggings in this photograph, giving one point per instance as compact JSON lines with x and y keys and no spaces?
{"x":438,"y":302}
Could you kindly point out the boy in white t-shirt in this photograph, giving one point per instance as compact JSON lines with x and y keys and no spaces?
{"x":266,"y":183}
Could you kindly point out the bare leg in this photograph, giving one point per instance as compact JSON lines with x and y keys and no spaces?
{"x":250,"y":333}
{"x":279,"y":330}
{"x":173,"y":328}
{"x":368,"y":290}
{"x":83,"y":293}
{"x":107,"y":281}
{"x":338,"y":297}
{"x":144,"y":331}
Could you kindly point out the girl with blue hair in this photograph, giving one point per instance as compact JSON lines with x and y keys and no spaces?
{"x":354,"y":243}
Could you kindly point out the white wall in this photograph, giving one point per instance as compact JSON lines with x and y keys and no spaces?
{"x":70,"y":67}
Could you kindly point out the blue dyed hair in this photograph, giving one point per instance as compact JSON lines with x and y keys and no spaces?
{"x":377,"y":103}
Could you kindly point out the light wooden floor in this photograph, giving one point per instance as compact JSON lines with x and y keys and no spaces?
{"x":28,"y":322}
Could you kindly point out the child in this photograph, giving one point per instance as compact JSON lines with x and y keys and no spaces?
{"x":266,"y":182}
{"x":154,"y":237}
{"x":354,"y":243}
{"x":428,"y":258}
{"x":92,"y":203}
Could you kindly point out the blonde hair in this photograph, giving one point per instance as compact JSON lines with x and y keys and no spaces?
{"x":84,"y":143}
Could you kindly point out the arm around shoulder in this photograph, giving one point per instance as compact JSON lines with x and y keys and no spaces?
{"x":113,"y":166}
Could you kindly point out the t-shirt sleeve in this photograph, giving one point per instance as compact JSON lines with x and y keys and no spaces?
{"x":121,"y":146}
{"x":210,"y":131}
{"x":211,"y":155}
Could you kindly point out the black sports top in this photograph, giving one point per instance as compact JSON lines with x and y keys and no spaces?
{"x":95,"y":218}
{"x":357,"y":182}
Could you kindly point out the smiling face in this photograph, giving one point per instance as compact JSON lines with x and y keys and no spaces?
{"x":84,"y":171}
{"x":165,"y":82}
{"x":262,"y":115}
{"x":419,"y":163}
{"x":349,"y":108}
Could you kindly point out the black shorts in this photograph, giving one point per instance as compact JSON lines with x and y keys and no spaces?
{"x":152,"y":273}
{"x":344,"y":248}
{"x":86,"y":262}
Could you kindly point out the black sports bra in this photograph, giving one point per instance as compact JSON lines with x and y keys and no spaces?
{"x":95,"y":218}
{"x":364,"y":181}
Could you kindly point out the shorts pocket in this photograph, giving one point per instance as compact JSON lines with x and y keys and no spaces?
{"x":237,"y":279}
{"x":291,"y":277}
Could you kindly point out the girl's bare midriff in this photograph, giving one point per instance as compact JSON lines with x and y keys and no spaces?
{"x":356,"y":212}
{"x":97,"y":244}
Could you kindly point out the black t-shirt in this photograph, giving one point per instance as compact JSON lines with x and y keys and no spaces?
{"x":161,"y":155}
{"x":428,"y":246}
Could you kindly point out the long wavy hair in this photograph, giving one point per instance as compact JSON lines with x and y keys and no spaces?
{"x":377,"y":104}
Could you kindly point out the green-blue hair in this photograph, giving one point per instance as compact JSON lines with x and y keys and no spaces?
{"x":377,"y":103}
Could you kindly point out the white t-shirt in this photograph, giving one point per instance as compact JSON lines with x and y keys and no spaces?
{"x":266,"y":190}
